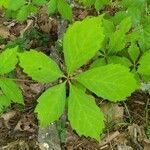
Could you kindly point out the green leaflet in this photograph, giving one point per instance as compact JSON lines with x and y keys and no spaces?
{"x":64,"y":9}
{"x":15,"y":5}
{"x":134,"y":52}
{"x":84,"y":115}
{"x":125,"y":25}
{"x":145,"y":34}
{"x":52,"y":6}
{"x":4,"y":102}
{"x":112,"y":82}
{"x":25,"y":11}
{"x":119,"y":16}
{"x":111,"y":60}
{"x":39,"y":2}
{"x":51,"y":104}
{"x":119,"y":60}
{"x":100,"y":3}
{"x":39,"y":66}
{"x":4,"y":3}
{"x":144,"y":67}
{"x":117,"y":39}
{"x":11,"y":90}
{"x":133,"y":3}
{"x":78,"y":49}
{"x":87,"y":2}
{"x":8,"y":60}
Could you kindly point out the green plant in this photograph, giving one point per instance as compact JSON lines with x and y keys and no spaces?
{"x":97,"y":3}
{"x":113,"y":82}
{"x":21,"y":9}
{"x":60,"y":6}
{"x":9,"y":91}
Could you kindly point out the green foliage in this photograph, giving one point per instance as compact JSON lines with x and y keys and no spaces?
{"x":75,"y":44}
{"x":22,"y":9}
{"x":113,"y":82}
{"x":114,"y":48}
{"x":62,"y":7}
{"x":45,"y":70}
{"x":148,"y":131}
{"x":52,"y":101}
{"x":4,"y":102}
{"x":52,"y":6}
{"x":109,"y":82}
{"x":83,"y":105}
{"x":144,"y":67}
{"x":10,"y":92}
{"x":6,"y":65}
{"x":134,"y":52}
{"x":99,"y":4}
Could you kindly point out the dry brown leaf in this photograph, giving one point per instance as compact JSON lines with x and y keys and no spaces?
{"x":113,"y":112}
{"x":4,"y":32}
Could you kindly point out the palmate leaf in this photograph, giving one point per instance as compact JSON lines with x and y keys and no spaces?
{"x":8,"y":60}
{"x":113,"y":82}
{"x":39,"y":66}
{"x":83,"y":113}
{"x":81,"y":42}
{"x":11,"y":90}
{"x":51,"y":105}
{"x":144,"y":67}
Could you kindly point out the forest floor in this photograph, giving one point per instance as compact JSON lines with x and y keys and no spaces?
{"x":126,"y":121}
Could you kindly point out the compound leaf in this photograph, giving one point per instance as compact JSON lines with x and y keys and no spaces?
{"x":84,"y":115}
{"x":39,"y":66}
{"x":144,"y":67}
{"x":113,"y":82}
{"x":8,"y":60}
{"x":81,"y":42}
{"x":51,"y":104}
{"x":11,"y":90}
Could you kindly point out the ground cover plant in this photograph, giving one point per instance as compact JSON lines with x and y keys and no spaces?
{"x":97,"y":62}
{"x":22,"y":9}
